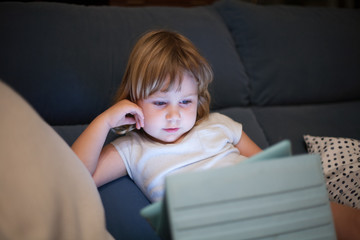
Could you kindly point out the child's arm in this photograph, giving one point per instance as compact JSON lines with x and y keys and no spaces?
{"x":246,"y":146}
{"x":105,"y":164}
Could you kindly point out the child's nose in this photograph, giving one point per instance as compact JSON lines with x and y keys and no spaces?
{"x":173,"y":114}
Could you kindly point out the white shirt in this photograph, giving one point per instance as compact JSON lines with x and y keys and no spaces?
{"x":208,"y":145}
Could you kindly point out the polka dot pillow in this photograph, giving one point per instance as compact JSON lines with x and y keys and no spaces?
{"x":341,"y":164}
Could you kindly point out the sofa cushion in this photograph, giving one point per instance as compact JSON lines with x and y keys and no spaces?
{"x":122,"y":201}
{"x":76,"y":55}
{"x":292,"y":122}
{"x":296,"y":55}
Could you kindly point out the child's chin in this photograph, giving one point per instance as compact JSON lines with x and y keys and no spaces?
{"x":165,"y":140}
{"x":170,"y":139}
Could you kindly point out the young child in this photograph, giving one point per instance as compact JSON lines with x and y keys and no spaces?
{"x":163,"y":107}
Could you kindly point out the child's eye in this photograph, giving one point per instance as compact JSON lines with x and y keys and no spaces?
{"x":185,"y":102}
{"x":159,"y":103}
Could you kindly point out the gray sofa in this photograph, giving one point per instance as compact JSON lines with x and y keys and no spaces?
{"x":281,"y":71}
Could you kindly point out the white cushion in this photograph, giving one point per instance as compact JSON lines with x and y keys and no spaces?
{"x":341,"y":165}
{"x":45,"y":191}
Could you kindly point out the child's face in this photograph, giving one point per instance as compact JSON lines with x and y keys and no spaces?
{"x":169,"y":115}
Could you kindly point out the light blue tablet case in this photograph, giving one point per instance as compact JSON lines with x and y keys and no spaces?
{"x":272,"y":195}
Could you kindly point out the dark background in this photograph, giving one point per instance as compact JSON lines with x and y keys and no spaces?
{"x":189,"y":3}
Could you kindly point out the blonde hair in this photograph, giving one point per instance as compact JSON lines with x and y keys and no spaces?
{"x":160,"y":56}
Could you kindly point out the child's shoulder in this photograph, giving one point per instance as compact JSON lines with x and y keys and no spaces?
{"x":219,"y":126}
{"x":216,"y":117}
{"x":218,"y":120}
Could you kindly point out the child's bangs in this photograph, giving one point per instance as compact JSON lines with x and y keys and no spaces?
{"x":162,"y":77}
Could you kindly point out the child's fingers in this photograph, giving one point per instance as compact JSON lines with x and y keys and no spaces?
{"x":136,"y":116}
{"x":139,"y":117}
{"x":129,"y":119}
{"x":126,"y":113}
{"x":139,"y":121}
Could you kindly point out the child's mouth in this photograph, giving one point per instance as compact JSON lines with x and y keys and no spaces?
{"x":171,"y":130}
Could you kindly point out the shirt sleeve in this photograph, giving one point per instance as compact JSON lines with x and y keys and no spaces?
{"x":231,"y":128}
{"x":123,"y":146}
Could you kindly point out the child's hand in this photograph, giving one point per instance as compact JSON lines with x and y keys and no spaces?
{"x":124,"y":112}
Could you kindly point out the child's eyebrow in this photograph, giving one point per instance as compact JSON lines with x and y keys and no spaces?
{"x":191,"y":95}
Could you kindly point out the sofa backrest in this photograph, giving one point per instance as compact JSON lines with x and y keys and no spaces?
{"x":68,"y":60}
{"x":296,"y":55}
